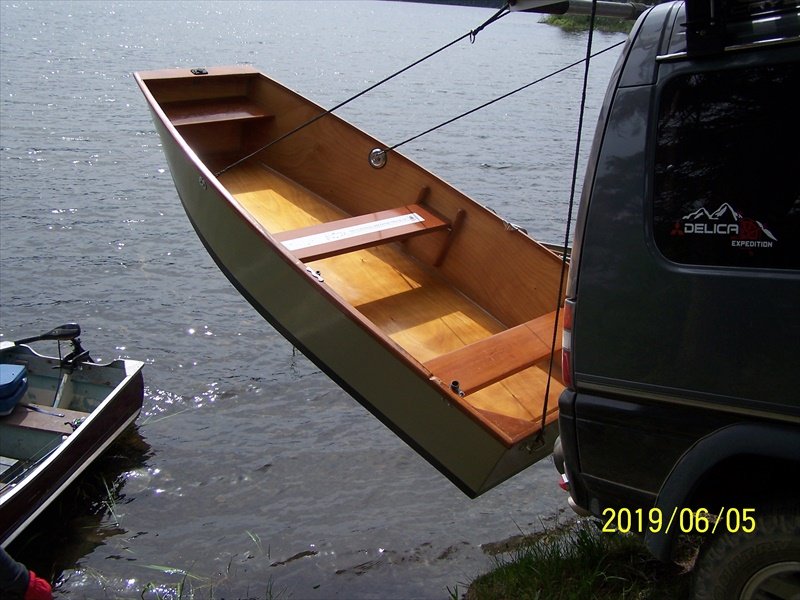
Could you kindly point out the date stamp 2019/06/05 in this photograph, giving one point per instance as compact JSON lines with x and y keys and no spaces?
{"x":684,"y":520}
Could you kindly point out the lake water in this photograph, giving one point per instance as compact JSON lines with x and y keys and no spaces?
{"x":252,"y":471}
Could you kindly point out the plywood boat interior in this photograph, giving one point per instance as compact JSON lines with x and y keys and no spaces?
{"x":454,"y":290}
{"x":405,"y":297}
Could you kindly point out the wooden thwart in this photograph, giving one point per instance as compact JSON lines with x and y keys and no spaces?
{"x":482,"y":363}
{"x":354,"y":233}
{"x":32,"y":419}
{"x":194,"y":112}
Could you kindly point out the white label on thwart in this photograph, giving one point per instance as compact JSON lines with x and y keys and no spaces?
{"x":350,"y":232}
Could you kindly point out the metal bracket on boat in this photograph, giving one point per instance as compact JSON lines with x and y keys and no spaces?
{"x":533,"y":445}
{"x":199,"y":71}
{"x":315,"y":274}
{"x":456,"y":388}
{"x":202,"y":182}
{"x":509,"y":226}
{"x":75,"y":423}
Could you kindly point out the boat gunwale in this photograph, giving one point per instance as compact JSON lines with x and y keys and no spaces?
{"x":324,"y":290}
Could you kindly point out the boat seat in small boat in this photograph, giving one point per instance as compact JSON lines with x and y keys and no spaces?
{"x":355,"y":233}
{"x":487,"y":361}
{"x":27,"y":418}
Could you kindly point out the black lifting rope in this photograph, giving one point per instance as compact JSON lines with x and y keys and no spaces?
{"x":377,"y":157}
{"x":472,"y":34}
{"x":588,"y":58}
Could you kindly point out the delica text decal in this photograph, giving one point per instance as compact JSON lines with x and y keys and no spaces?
{"x":726,"y":222}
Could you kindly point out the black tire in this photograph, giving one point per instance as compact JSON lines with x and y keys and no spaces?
{"x":764,"y":564}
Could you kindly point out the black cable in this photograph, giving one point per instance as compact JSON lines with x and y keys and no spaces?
{"x":470,"y":34}
{"x":569,"y":212}
{"x":503,"y":97}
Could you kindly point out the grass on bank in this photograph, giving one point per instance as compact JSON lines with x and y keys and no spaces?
{"x":576,"y":561}
{"x":576,"y":23}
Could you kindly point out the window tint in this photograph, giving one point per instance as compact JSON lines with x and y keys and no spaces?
{"x":727,"y":170}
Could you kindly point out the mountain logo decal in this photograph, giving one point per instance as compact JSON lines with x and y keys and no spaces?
{"x":727,"y":222}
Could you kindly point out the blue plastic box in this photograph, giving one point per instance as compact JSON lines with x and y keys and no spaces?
{"x":13,"y":383}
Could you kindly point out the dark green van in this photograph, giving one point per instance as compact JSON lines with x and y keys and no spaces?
{"x":682,"y":318}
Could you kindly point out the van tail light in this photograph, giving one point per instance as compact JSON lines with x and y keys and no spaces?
{"x":566,"y":344}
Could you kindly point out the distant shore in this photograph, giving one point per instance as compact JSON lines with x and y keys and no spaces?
{"x":496,"y":4}
{"x":575,"y":23}
{"x":569,"y":23}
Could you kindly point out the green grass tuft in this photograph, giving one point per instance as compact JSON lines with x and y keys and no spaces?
{"x":577,"y":562}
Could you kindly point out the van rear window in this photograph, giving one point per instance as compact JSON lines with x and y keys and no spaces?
{"x":727,"y":169}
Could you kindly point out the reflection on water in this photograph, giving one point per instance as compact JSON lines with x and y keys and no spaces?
{"x":257,"y":472}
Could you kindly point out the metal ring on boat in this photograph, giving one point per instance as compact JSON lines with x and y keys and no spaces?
{"x":377,"y":158}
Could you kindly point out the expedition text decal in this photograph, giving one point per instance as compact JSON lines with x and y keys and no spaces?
{"x":727,"y":222}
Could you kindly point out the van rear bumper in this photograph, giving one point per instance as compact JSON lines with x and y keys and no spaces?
{"x":613,"y":454}
{"x":565,"y":453}
{"x":558,"y":459}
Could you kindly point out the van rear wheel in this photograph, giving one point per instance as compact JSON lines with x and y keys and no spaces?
{"x":764,"y":564}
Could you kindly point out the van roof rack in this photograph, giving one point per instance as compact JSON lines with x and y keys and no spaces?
{"x":714,"y":25}
{"x":711,"y":26}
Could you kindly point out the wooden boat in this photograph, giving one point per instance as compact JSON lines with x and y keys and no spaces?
{"x":66,"y":413}
{"x":433,"y":312}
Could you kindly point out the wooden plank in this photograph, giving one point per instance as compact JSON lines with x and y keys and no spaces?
{"x":355,"y":233}
{"x":494,"y":358}
{"x":26,"y":418}
{"x":194,"y":112}
{"x":276,"y":202}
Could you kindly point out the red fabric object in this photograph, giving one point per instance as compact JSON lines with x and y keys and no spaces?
{"x":38,"y":588}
